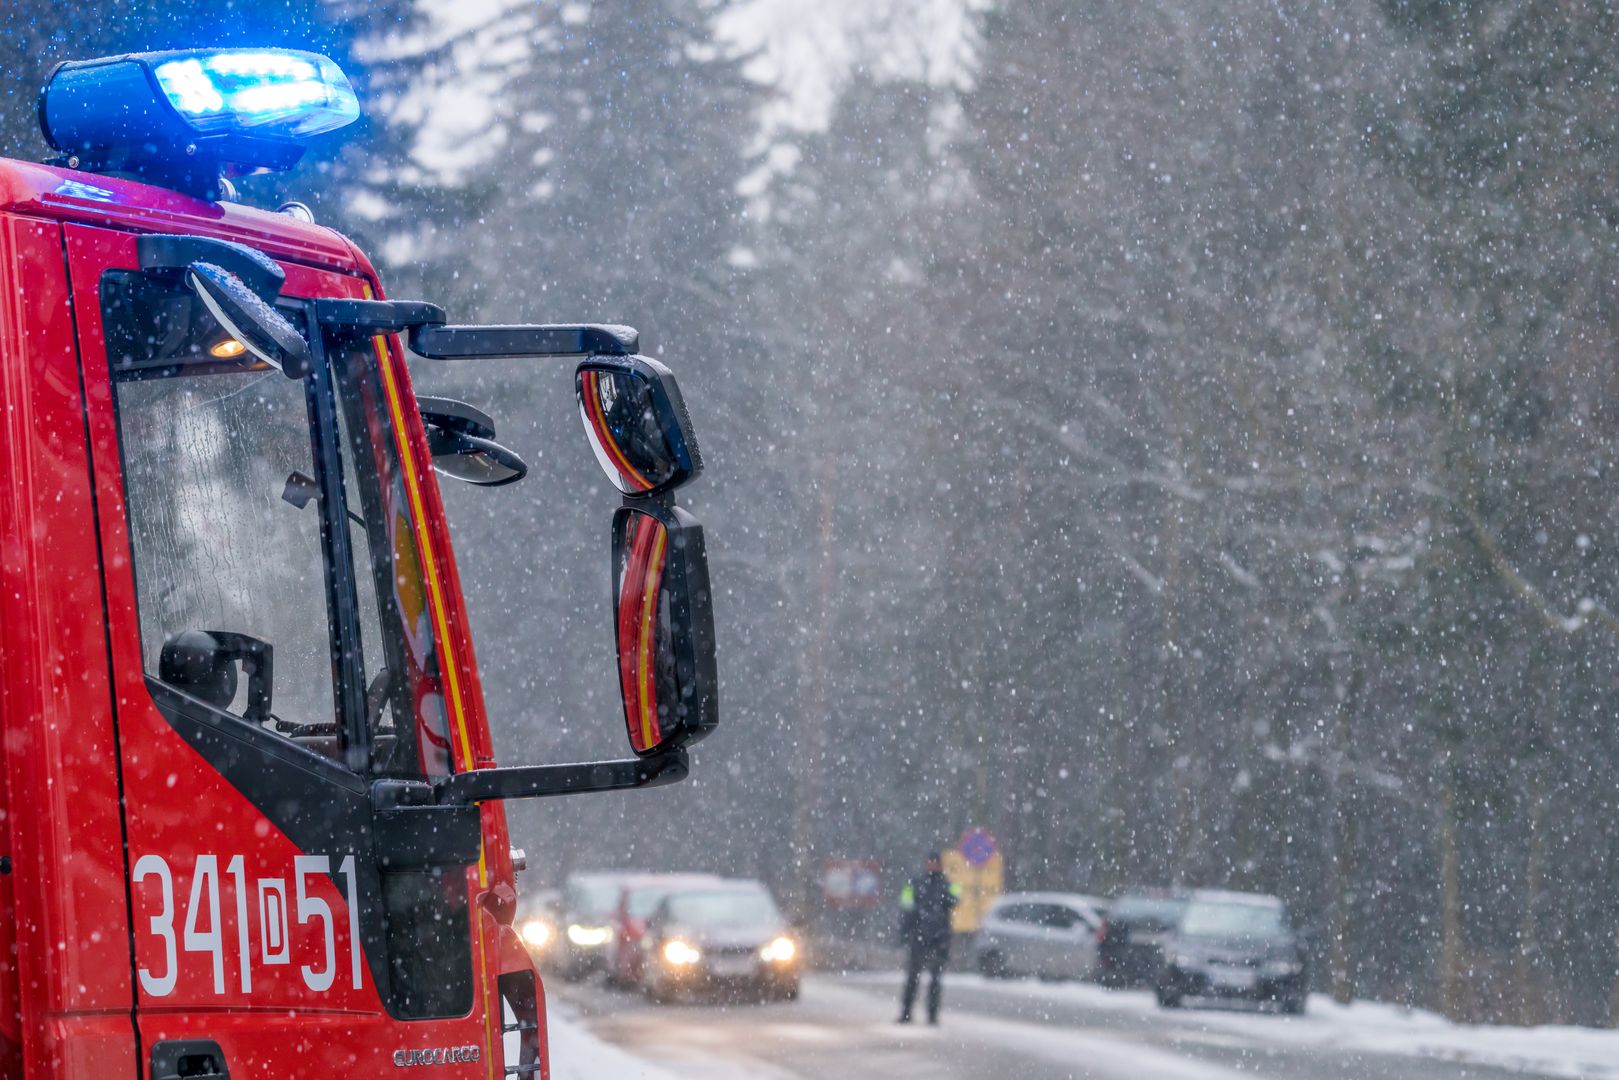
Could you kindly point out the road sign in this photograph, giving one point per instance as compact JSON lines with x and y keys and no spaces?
{"x":976,"y":866}
{"x":977,"y":846}
{"x":851,"y":883}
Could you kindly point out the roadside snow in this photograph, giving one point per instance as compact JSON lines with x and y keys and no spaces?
{"x":1365,"y":1027}
{"x":576,"y":1054}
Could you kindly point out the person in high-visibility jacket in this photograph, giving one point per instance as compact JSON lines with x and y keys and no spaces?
{"x":925,"y":904}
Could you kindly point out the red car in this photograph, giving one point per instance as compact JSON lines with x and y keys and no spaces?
{"x":637,"y":900}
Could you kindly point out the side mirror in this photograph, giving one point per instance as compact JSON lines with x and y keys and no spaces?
{"x":203,"y":664}
{"x":664,"y":621}
{"x":461,"y":439}
{"x":637,"y":424}
{"x":255,"y":328}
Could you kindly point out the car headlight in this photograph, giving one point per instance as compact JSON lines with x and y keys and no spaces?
{"x":1277,"y":968}
{"x":780,"y":951}
{"x":679,"y":953}
{"x":537,"y":932}
{"x":589,"y":937}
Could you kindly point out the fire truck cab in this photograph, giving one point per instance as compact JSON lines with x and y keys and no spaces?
{"x":251,"y":822}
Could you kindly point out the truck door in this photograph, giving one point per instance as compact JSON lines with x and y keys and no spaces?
{"x":277,"y":637}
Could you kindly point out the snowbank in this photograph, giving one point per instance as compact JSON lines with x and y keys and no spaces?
{"x":1365,"y":1027}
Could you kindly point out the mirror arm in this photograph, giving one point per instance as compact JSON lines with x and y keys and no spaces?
{"x":541,"y":781}
{"x":366,"y":317}
{"x":431,"y":338}
{"x":495,"y":342}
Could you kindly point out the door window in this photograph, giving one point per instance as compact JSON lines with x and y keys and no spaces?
{"x":1016,"y":913}
{"x":209,"y":446}
{"x":1058,"y":917}
{"x":223,"y":483}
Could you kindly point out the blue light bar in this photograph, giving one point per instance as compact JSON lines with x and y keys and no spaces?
{"x":182,"y":117}
{"x":267,"y":91}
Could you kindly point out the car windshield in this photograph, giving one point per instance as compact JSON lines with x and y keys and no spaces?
{"x":730,"y":908}
{"x":592,"y":899}
{"x":1233,"y":920}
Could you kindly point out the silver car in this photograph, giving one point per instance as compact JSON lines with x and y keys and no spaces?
{"x":1052,"y":935}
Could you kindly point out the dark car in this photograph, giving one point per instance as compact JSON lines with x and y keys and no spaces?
{"x":1129,"y":944}
{"x":720,"y":938}
{"x":1237,"y":946}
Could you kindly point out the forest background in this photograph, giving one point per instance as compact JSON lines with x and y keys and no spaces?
{"x":1174,"y":435}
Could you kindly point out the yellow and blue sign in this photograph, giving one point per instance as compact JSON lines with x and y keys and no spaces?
{"x":976,"y":868}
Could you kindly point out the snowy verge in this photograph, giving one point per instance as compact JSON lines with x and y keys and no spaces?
{"x":1576,"y":1053}
{"x":576,"y":1054}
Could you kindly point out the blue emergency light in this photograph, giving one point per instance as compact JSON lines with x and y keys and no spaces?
{"x":183,"y":118}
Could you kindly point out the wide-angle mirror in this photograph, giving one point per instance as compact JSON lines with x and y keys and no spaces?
{"x":636,"y":421}
{"x":253,"y":327}
{"x":462,"y":441}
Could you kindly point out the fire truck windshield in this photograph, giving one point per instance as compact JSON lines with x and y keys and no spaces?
{"x":229,"y":471}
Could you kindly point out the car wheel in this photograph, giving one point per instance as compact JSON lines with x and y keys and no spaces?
{"x":992,"y":965}
{"x":1293,"y":1005}
{"x":1168,"y":999}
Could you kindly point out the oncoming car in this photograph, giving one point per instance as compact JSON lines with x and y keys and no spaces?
{"x":588,"y":902}
{"x":637,"y":900}
{"x":728,"y":937}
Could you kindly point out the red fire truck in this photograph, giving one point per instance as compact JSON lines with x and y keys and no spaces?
{"x":251,"y":819}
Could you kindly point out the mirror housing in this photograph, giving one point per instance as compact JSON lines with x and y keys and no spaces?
{"x":262,"y":331}
{"x":663,"y":618}
{"x":637,"y":424}
{"x":462,"y":441}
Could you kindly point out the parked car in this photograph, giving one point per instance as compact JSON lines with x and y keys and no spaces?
{"x":1236,"y":946}
{"x":588,"y":901}
{"x":637,"y":900}
{"x":725,"y":937}
{"x":1052,"y":935}
{"x":1129,"y":946}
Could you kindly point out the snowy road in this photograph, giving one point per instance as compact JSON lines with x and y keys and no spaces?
{"x":842,"y":1028}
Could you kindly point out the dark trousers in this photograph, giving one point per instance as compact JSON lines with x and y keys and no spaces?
{"x":920,"y":958}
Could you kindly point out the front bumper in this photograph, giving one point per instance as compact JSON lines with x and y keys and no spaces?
{"x":721,"y":975}
{"x":1233,"y":982}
